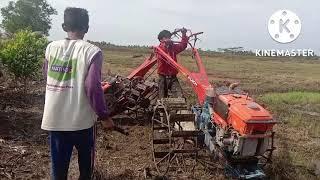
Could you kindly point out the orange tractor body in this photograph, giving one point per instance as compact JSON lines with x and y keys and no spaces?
{"x":245,"y":115}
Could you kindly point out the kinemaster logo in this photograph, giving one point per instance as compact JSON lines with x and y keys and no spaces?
{"x":284,"y":27}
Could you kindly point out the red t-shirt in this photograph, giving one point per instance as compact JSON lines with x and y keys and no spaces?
{"x":163,"y":67}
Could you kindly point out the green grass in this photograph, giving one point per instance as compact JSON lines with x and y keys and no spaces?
{"x":292,"y":98}
{"x":297,"y":109}
{"x":298,"y":132}
{"x":257,"y":75}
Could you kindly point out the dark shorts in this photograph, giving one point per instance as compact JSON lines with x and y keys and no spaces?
{"x":167,"y":85}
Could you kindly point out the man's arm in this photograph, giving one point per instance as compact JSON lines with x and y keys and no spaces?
{"x":182,"y":45}
{"x":93,"y":87}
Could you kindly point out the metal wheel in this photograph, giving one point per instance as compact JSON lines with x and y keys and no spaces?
{"x":161,"y":144}
{"x":174,"y":144}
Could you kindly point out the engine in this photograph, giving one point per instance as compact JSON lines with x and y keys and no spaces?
{"x":236,"y":128}
{"x":241,"y":146}
{"x":244,"y":128}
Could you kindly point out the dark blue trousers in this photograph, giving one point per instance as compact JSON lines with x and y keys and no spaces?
{"x":61,"y":146}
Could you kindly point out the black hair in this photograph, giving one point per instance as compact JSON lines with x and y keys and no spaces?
{"x":76,"y":20}
{"x":164,"y":33}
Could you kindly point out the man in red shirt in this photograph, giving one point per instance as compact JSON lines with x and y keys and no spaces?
{"x":167,"y":74}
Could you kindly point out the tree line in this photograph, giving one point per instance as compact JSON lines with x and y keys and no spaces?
{"x":147,"y":49}
{"x":23,"y":38}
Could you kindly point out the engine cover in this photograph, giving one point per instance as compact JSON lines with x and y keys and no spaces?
{"x":243,"y":114}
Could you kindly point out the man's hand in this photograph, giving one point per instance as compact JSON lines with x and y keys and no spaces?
{"x":104,"y":83}
{"x":108,"y":124}
{"x":184,"y":31}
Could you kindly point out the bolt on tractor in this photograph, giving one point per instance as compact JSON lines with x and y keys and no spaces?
{"x":226,"y":121}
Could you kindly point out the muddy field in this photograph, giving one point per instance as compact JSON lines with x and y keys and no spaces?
{"x":25,"y":154}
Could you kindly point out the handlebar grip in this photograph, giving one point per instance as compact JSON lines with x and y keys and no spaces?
{"x":197,"y":33}
{"x":176,"y":31}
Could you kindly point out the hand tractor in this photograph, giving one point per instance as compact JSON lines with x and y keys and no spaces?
{"x":226,"y":121}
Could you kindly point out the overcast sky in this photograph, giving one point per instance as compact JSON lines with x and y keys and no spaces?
{"x":226,"y":23}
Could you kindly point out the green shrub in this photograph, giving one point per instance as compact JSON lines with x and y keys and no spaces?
{"x":22,"y":55}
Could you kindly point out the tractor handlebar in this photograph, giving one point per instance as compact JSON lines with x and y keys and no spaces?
{"x":192,"y":42}
{"x":195,"y":34}
{"x":178,"y":30}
